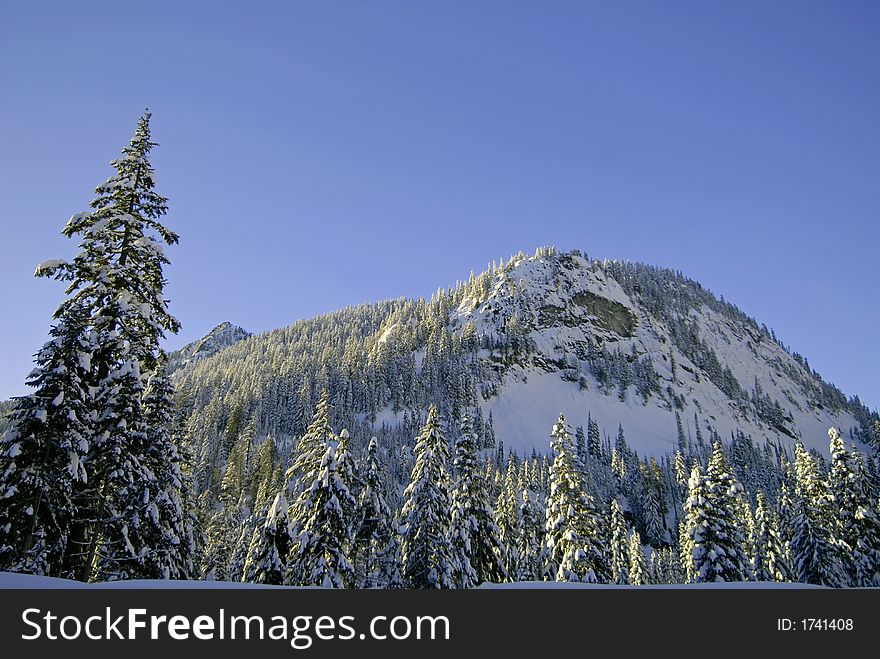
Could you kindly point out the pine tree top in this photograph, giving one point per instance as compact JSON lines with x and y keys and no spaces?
{"x":118,"y":272}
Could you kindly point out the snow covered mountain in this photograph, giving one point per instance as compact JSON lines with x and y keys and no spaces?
{"x":628,"y":344}
{"x":219,"y":338}
{"x":572,"y":311}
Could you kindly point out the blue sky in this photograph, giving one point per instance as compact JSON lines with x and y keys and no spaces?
{"x":322,"y":154}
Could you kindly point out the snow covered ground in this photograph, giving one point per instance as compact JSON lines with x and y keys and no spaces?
{"x":9,"y":580}
{"x":520,"y":414}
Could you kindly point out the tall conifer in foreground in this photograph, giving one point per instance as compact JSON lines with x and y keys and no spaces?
{"x":115,"y":300}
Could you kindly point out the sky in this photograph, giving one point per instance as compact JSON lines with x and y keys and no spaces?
{"x":322,"y":154}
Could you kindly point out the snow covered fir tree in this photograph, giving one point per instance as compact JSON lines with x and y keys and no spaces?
{"x":554,"y":417}
{"x":91,"y":474}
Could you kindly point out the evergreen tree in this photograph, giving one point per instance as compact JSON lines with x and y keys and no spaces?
{"x":168,"y":520}
{"x":572,"y":528}
{"x":270,"y":546}
{"x":681,"y":474}
{"x":770,"y":562}
{"x":784,"y":518}
{"x":265,"y":477}
{"x":41,"y":455}
{"x":620,"y":559}
{"x":473,"y":534}
{"x":679,"y":487}
{"x":621,"y":446}
{"x":222,"y":534}
{"x":594,"y":440}
{"x":814,"y":550}
{"x":669,"y":567}
{"x":682,"y":440}
{"x":700,"y":444}
{"x":746,"y":520}
{"x":427,"y":555}
{"x":375,"y":537}
{"x":321,"y":551}
{"x":580,"y":444}
{"x":687,"y":527}
{"x":618,"y":466}
{"x":857,"y":525}
{"x":345,"y":467}
{"x":653,"y":515}
{"x":222,"y":560}
{"x":638,"y":567}
{"x":531,"y":539}
{"x":116,"y":284}
{"x":118,"y":544}
{"x":715,"y":537}
{"x":248,"y":530}
{"x":507,"y":509}
{"x":311,"y":448}
{"x":392,"y":576}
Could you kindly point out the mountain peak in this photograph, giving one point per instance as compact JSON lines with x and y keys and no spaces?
{"x":552,"y":289}
{"x":635,"y":344}
{"x":221,"y":337}
{"x":227,"y":329}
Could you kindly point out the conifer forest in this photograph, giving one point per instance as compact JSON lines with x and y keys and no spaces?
{"x":555,"y":418}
